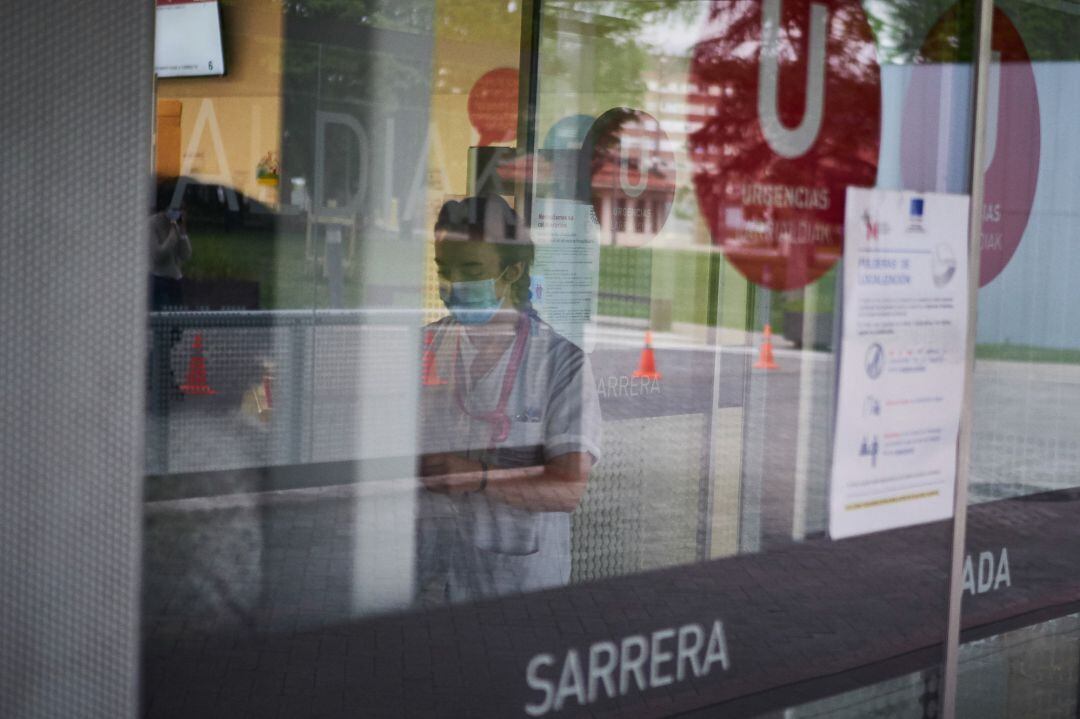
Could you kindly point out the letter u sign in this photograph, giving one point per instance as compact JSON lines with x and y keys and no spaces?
{"x":804,"y":123}
{"x":784,"y":142}
{"x":633,"y":189}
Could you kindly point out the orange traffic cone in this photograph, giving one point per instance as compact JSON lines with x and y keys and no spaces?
{"x":765,"y":354}
{"x":647,"y":365}
{"x":431,"y":372}
{"x":196,"y":375}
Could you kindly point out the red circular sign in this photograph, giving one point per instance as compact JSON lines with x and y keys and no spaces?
{"x":1011,"y":163}
{"x":493,"y":106}
{"x":631,"y":173}
{"x":786,"y":113}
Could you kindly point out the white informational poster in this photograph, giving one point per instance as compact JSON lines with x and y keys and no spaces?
{"x":901,"y":360}
{"x":187,"y":39}
{"x":566,"y":273}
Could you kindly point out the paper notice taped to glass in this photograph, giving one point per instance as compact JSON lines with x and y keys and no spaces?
{"x":566,"y":274}
{"x":901,"y":360}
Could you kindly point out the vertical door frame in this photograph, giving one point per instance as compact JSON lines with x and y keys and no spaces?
{"x":981,"y":68}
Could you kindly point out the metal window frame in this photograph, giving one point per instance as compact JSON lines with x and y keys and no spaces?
{"x":984,"y":18}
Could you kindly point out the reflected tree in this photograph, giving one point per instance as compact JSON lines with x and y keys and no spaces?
{"x":788,"y":242}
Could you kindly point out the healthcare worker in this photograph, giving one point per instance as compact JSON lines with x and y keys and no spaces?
{"x":511,"y":427}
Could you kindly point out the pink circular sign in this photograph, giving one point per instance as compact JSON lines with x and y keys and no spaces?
{"x":931,"y":156}
{"x":493,"y":106}
{"x":785,"y":113}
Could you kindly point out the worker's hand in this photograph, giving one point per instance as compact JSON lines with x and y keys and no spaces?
{"x":449,"y":473}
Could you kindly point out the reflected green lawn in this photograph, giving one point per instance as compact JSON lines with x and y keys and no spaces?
{"x":1027,"y":353}
{"x":633,"y":281}
{"x":287,"y":279}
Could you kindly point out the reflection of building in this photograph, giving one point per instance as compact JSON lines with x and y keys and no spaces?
{"x":667,"y":97}
{"x":630,"y":187}
{"x":626,"y":220}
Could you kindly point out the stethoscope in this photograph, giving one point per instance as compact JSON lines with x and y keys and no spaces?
{"x":497,"y":418}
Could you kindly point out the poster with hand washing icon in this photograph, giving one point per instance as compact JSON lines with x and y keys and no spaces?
{"x":904,"y":324}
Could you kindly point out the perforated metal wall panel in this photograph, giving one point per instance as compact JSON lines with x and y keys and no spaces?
{"x":75,"y":122}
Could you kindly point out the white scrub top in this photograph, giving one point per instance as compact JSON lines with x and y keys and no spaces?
{"x":470,"y":545}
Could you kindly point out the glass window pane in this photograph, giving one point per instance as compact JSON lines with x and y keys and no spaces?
{"x":493,"y":356}
{"x":1032,"y":671}
{"x":1019,"y":569}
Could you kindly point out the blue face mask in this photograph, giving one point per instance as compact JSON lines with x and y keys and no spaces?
{"x":471,"y":303}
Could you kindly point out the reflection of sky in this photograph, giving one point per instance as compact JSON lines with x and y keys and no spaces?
{"x":887,"y":39}
{"x":675,"y":35}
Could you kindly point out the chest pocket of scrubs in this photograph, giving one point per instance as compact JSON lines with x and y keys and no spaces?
{"x":526,"y":425}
